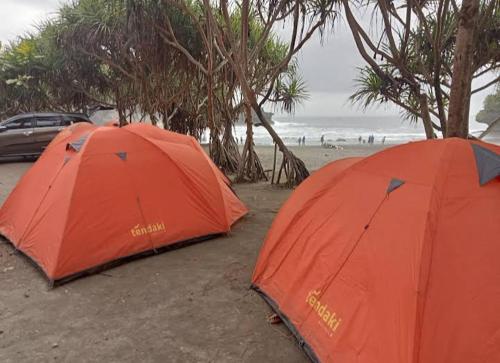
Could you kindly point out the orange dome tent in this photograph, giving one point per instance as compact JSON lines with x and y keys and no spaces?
{"x":98,"y":194}
{"x":393,"y":258}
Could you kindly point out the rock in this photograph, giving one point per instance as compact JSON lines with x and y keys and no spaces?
{"x":10,"y":268}
{"x":55,"y":345}
{"x":26,"y":295}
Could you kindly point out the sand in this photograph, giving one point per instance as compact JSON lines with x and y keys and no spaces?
{"x":188,"y":305}
{"x":316,"y":156}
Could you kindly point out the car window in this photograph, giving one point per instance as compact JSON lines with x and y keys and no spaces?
{"x":22,"y":123}
{"x":48,"y":121}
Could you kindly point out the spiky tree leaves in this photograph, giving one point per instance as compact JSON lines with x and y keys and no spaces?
{"x":180,"y":63}
{"x":306,"y":18}
{"x":410,"y":56}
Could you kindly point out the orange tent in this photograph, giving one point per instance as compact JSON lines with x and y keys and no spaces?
{"x":98,"y":194}
{"x":393,"y":258}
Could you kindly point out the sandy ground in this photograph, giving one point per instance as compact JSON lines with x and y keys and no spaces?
{"x":188,"y":305}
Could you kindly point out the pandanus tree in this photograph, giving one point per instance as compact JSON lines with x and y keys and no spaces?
{"x":20,"y":70}
{"x":36,"y":75}
{"x":96,"y":30}
{"x":224,"y":88}
{"x":145,"y":76}
{"x":305,"y":17}
{"x":424,"y":56}
{"x":186,"y":64}
{"x":205,"y":62}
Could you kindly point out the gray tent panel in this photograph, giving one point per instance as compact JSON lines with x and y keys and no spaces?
{"x":122,"y":155}
{"x":487,"y":163}
{"x":77,"y":144}
{"x":394,"y":184}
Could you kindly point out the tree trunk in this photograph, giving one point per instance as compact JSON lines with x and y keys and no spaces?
{"x":426,"y":116}
{"x":230,"y":146}
{"x":458,"y":115}
{"x":214,"y":141}
{"x":295,"y":170}
{"x":122,"y":117}
{"x":250,"y":169}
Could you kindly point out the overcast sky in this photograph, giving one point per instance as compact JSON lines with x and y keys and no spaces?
{"x":328,"y":69}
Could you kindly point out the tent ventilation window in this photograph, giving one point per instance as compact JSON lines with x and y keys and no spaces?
{"x":487,"y":162}
{"x":394,"y":184}
{"x":77,"y":144}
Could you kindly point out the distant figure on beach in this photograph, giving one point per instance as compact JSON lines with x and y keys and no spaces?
{"x":299,"y":140}
{"x":322,"y":139}
{"x":364,"y":141}
{"x":303,"y":140}
{"x":241,"y":140}
{"x":360,"y":139}
{"x":383,"y":140}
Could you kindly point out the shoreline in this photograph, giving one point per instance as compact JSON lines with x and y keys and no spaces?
{"x":314,"y":156}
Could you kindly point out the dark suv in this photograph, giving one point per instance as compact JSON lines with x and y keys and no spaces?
{"x":28,"y":134}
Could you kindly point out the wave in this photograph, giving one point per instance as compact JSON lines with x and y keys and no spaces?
{"x":337,"y":130}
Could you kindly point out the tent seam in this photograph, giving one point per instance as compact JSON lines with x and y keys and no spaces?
{"x":79,"y":156}
{"x":176,"y":164}
{"x":416,"y":349}
{"x":71,"y":198}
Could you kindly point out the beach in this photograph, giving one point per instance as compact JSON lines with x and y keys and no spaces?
{"x":191,"y":304}
{"x":316,"y":156}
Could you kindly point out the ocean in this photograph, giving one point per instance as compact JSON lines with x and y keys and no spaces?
{"x":343,"y":130}
{"x":337,"y":130}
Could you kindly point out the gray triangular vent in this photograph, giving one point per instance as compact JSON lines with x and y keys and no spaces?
{"x":487,"y":163}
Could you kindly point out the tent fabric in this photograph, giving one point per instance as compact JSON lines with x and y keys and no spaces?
{"x":362,"y":275}
{"x":123,"y":191}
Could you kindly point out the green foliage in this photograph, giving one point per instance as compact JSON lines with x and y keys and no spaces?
{"x":491,"y":108}
{"x":290,"y":91}
{"x":418,"y":59}
{"x":114,"y":52}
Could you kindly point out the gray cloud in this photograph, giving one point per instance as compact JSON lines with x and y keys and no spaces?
{"x":20,"y":16}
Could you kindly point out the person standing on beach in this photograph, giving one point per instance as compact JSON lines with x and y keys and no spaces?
{"x":360,"y":139}
{"x":303,"y":140}
{"x":322,"y":140}
{"x":300,"y":141}
{"x":383,"y":140}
